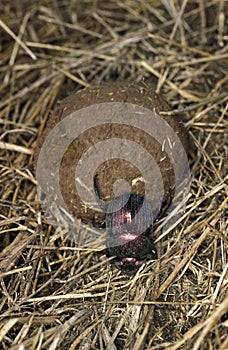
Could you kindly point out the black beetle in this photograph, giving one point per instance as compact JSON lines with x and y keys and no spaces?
{"x":129,"y":224}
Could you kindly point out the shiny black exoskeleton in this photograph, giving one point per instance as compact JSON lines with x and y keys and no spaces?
{"x":129,"y":223}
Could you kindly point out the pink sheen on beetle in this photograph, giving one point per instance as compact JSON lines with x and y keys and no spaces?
{"x":129,"y":261}
{"x":127,"y":237}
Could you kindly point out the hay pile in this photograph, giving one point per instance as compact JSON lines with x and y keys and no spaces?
{"x":55,"y":295}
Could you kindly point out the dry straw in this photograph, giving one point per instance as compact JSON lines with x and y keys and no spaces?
{"x":55,"y":295}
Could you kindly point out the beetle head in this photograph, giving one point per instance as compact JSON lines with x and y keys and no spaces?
{"x":129,"y":214}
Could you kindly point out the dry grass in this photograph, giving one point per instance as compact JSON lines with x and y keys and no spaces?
{"x":53,"y":294}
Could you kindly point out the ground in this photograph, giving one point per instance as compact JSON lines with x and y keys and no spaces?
{"x":56,"y":294}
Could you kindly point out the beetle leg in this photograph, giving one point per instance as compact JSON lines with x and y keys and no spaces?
{"x":97,"y":192}
{"x":164,"y":208}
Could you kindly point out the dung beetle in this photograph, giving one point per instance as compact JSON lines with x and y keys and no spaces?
{"x":129,"y":224}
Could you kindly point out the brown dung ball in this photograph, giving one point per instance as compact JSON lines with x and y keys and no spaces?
{"x":111,"y":170}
